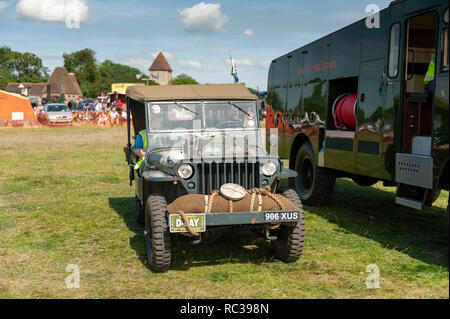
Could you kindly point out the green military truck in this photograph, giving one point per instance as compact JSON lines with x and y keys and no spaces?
{"x":368,"y":102}
{"x":205,"y":170}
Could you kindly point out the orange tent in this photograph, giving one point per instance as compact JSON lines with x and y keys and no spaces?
{"x":16,"y":110}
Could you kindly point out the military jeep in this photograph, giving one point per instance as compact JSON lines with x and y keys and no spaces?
{"x":199,"y":138}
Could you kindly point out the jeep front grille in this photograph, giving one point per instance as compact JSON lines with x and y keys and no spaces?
{"x":213,"y":175}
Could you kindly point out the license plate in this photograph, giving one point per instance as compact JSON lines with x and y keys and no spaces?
{"x":196,"y":221}
{"x":285,"y":216}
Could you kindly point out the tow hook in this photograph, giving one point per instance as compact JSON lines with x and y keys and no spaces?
{"x":266,"y":231}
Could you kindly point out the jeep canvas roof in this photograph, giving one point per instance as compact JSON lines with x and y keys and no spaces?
{"x":190,"y":92}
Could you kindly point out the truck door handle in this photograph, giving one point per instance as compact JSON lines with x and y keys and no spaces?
{"x":362,"y":97}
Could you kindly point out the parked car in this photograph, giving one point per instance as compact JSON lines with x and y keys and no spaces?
{"x":55,"y":114}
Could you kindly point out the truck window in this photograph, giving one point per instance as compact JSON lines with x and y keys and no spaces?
{"x":394,"y":50}
{"x":444,"y":50}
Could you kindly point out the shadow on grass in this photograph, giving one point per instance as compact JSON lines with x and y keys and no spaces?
{"x":231,"y":247}
{"x":372,"y":213}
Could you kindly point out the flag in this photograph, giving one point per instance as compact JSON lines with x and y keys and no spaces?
{"x":234,"y":71}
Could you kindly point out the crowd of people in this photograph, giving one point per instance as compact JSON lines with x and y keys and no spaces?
{"x":98,"y":113}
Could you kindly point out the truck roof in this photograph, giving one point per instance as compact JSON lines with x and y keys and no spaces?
{"x":190,"y":92}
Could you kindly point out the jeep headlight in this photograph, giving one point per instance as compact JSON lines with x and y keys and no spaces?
{"x":185,"y":171}
{"x":269,"y":168}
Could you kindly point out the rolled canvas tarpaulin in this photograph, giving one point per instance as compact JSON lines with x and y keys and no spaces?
{"x":16,"y":110}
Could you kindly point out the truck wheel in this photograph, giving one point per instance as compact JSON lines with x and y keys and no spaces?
{"x":314,"y":184}
{"x":364,"y":181}
{"x":290,"y":240}
{"x":140,"y":213}
{"x":157,"y":234}
{"x":432,"y":196}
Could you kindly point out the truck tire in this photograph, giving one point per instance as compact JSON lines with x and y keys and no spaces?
{"x":157,"y":235}
{"x":364,"y":181}
{"x":314,"y":184}
{"x":140,"y":213}
{"x":290,"y":240}
{"x":432,"y":196}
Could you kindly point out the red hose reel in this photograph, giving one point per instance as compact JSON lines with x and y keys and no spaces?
{"x":344,"y":111}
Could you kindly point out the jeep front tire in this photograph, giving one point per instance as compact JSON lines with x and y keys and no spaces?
{"x":157,"y":235}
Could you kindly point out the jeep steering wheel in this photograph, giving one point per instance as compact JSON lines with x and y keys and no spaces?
{"x":230,"y":124}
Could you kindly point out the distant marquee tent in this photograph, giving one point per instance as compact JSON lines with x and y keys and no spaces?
{"x":16,"y":110}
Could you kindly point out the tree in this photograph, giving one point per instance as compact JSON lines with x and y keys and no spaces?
{"x":84,"y":65}
{"x":183,"y":79}
{"x":5,"y":77}
{"x":111,"y":72}
{"x":20,"y":67}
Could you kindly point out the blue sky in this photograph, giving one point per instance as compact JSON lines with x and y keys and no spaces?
{"x":196,"y":36}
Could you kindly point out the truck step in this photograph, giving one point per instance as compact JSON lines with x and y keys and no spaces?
{"x":412,"y":203}
{"x":411,"y":196}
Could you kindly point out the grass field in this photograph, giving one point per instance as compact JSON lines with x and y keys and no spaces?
{"x":65,"y":199}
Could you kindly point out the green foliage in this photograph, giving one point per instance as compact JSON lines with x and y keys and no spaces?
{"x":84,"y":65}
{"x":94,"y":78}
{"x":111,"y":72}
{"x":20,"y":67}
{"x":149,"y":82}
{"x":183,"y":79}
{"x":5,"y":77}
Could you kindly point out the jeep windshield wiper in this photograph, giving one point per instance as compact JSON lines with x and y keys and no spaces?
{"x":184,"y":107}
{"x":239,"y":108}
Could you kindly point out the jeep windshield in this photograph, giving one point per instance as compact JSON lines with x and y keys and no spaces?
{"x":202,"y":116}
{"x":200,"y":124}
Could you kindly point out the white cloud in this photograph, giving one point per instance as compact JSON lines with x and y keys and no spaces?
{"x":190,"y":64}
{"x":140,"y":63}
{"x":244,"y":62}
{"x":3,"y":5}
{"x":250,"y":63}
{"x":203,"y":17}
{"x":167,"y":55}
{"x":249,"y":32}
{"x":53,"y":10}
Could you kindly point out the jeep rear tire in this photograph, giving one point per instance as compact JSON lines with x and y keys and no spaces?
{"x":290,"y":240}
{"x":157,"y":235}
{"x":314,"y":184}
